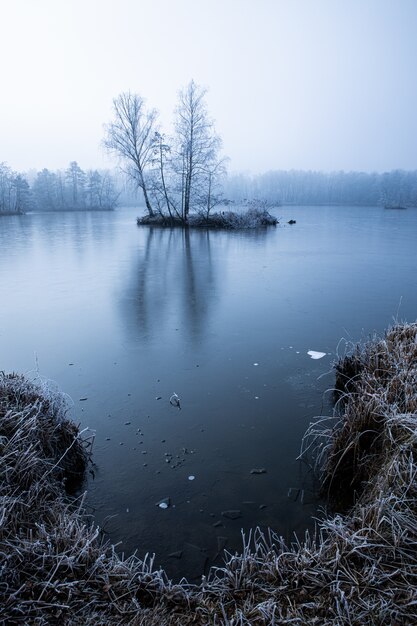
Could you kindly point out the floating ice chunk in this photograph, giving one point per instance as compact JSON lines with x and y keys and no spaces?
{"x":256,"y":364}
{"x":191,"y":478}
{"x":164,"y":504}
{"x":316,"y":355}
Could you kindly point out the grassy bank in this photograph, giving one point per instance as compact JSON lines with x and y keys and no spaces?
{"x":359,"y":568}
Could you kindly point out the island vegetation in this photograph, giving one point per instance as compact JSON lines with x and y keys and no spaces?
{"x":358,"y":568}
{"x":180,"y":177}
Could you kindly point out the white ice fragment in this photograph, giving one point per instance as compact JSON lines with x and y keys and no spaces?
{"x":256,"y":364}
{"x":163,"y":505}
{"x":316,"y":355}
{"x":191,"y":478}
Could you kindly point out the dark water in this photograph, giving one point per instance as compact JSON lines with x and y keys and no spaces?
{"x":123,"y":316}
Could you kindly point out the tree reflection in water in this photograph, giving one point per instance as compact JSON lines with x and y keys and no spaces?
{"x":173,"y":283}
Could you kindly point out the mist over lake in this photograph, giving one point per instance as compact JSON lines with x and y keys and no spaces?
{"x":123,"y":317}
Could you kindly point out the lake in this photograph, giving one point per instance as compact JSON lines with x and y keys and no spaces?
{"x":123,"y":317}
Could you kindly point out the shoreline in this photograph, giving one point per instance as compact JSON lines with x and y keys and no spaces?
{"x":54,"y":211}
{"x":359,"y":567}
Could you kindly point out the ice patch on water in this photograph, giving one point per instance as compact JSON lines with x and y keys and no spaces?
{"x":316,"y":355}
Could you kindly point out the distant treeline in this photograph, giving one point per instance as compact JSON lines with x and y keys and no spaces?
{"x":75,"y":189}
{"x":395,"y":188}
{"x":70,"y":189}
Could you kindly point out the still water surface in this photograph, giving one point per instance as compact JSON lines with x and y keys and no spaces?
{"x":125,"y":316}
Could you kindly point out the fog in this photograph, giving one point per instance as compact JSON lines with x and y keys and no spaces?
{"x":323,"y":85}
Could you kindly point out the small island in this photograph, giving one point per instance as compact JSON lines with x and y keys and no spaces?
{"x":226,"y":220}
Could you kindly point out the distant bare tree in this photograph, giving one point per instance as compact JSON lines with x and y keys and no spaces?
{"x":131,"y":137}
{"x":76,"y":186}
{"x":100,"y":190}
{"x":14,"y":191}
{"x":5,"y":187}
{"x":22,"y":193}
{"x":197,"y":147}
{"x":45,"y":191}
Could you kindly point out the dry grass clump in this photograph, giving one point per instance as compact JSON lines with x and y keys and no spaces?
{"x":53,"y":566}
{"x":360,"y":568}
{"x":374,"y":383}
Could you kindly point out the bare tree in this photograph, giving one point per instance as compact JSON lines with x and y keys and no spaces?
{"x":197,"y":147}
{"x":161,"y":187}
{"x":131,"y":136}
{"x":211,"y":191}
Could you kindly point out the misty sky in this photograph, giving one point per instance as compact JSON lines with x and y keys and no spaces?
{"x":308,"y":84}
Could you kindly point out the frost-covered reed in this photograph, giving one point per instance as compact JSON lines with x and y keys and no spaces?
{"x":360,"y":567}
